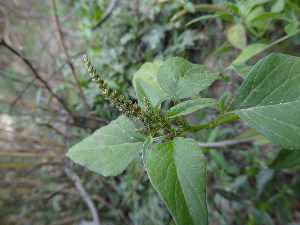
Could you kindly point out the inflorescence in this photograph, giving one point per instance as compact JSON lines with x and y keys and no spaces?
{"x":153,"y":119}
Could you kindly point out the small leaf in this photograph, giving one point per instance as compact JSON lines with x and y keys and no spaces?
{"x":179,"y":78}
{"x":177,"y":171}
{"x":242,"y":69}
{"x":236,"y":35}
{"x":189,"y":7}
{"x":262,"y":179}
{"x":190,"y":106}
{"x":285,"y":159}
{"x":213,"y":16}
{"x":223,"y":49}
{"x":224,"y":99}
{"x":269,"y":100}
{"x":291,"y":28}
{"x":269,"y":16}
{"x":278,"y":6}
{"x":145,"y":84}
{"x":229,"y":195}
{"x":110,"y":149}
{"x":245,"y":7}
{"x":143,"y":89}
{"x":249,"y":52}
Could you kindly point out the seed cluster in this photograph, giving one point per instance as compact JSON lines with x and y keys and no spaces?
{"x":124,"y":105}
{"x":153,"y":119}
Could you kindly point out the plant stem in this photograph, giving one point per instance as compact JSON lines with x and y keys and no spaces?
{"x":198,"y":7}
{"x":194,"y":129}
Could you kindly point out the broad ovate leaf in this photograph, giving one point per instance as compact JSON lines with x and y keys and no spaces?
{"x":145,"y":84}
{"x":190,"y":106}
{"x":177,"y":171}
{"x":109,"y":150}
{"x":269,"y":100}
{"x":285,"y":159}
{"x":180,"y":79}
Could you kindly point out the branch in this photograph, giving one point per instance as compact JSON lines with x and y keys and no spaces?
{"x":141,"y":175}
{"x":107,"y":13}
{"x":68,"y":59}
{"x":76,"y":180}
{"x":21,"y":95}
{"x":37,"y":75}
{"x":221,"y":144}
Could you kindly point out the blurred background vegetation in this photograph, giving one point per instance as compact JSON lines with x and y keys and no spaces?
{"x":48,"y":103}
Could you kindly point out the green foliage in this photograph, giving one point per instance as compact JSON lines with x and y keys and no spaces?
{"x":252,"y":22}
{"x":177,"y":171}
{"x":236,"y":35}
{"x":242,"y":69}
{"x":146,"y":85}
{"x":285,"y":159}
{"x":190,"y":106}
{"x":268,"y":101}
{"x":110,"y":149}
{"x":180,"y":79}
{"x":241,"y":189}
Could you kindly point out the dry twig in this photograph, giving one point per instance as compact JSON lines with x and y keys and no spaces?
{"x":68,"y":59}
{"x":107,"y":13}
{"x":76,"y":180}
{"x":36,"y":74}
{"x":221,"y":144}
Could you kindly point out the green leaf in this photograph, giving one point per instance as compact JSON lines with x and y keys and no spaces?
{"x":189,"y":7}
{"x":269,"y":16}
{"x":248,"y":52}
{"x":179,"y":78}
{"x":190,"y":106}
{"x":224,"y":99}
{"x":143,"y":89}
{"x":236,"y":35}
{"x":285,"y":159}
{"x":212,"y":16}
{"x":177,"y":171}
{"x":262,"y":179}
{"x":269,"y":100}
{"x":110,"y":149}
{"x":291,"y":28}
{"x":278,"y":6}
{"x":245,"y":7}
{"x":145,"y":84}
{"x":223,"y":49}
{"x":242,"y":69}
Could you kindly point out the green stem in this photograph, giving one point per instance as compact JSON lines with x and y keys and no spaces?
{"x":228,"y":119}
{"x":281,"y":40}
{"x":193,"y":129}
{"x":198,"y":7}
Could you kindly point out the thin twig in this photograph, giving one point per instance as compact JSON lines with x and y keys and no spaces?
{"x":221,"y":144}
{"x":76,"y":180}
{"x":107,"y":13}
{"x":37,"y":75}
{"x":21,"y":95}
{"x":68,"y":59}
{"x":141,"y":175}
